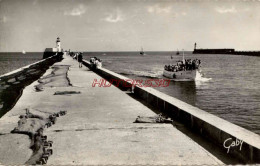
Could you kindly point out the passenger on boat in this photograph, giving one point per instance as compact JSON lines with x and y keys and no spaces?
{"x":188,"y":64}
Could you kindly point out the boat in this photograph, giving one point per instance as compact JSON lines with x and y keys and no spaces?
{"x":23,"y":52}
{"x":177,"y":53}
{"x":183,"y":70}
{"x":142,"y":51}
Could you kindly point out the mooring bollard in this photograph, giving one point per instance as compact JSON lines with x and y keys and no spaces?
{"x":44,"y":161}
{"x":47,"y":151}
{"x":40,"y":131}
{"x":47,"y":143}
{"x":50,"y":142}
{"x":44,"y":137}
{"x":45,"y":156}
{"x":39,"y":162}
{"x":48,"y":124}
{"x":53,"y":118}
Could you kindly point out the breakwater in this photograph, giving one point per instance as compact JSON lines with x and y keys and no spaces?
{"x":13,"y":83}
{"x":235,"y":141}
{"x":225,"y":51}
{"x":252,"y":53}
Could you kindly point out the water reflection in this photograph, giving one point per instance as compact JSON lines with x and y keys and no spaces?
{"x":183,"y":90}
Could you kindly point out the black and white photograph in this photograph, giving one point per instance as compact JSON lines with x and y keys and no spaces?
{"x":130,"y":82}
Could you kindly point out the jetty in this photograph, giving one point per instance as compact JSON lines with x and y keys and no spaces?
{"x":61,"y":119}
{"x":231,"y":51}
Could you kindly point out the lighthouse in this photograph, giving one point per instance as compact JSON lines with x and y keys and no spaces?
{"x":58,"y":45}
{"x":195,"y":45}
{"x":53,"y":51}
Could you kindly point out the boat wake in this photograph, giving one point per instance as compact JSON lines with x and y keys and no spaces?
{"x":200,"y":78}
{"x":142,"y":74}
{"x":180,"y":80}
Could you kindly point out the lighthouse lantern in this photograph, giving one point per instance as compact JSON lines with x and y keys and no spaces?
{"x":58,"y":46}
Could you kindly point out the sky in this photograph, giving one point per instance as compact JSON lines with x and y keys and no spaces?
{"x":128,"y":25}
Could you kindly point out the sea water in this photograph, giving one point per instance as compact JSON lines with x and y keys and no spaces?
{"x":15,"y":60}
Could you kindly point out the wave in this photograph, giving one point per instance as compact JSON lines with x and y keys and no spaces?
{"x":201,"y":78}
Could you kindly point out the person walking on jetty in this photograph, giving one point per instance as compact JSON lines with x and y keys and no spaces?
{"x":80,"y":59}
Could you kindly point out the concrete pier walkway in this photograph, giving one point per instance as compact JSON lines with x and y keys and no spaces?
{"x":98,"y":128}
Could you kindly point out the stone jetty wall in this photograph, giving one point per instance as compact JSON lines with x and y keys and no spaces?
{"x":13,"y":83}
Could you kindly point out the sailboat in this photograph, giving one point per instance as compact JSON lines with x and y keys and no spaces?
{"x":177,"y":53}
{"x":23,"y":52}
{"x":142,"y":51}
{"x":183,"y":70}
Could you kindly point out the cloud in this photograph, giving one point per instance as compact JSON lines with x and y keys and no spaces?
{"x":158,"y":9}
{"x":184,"y":13}
{"x":38,"y":29}
{"x":224,"y":10}
{"x":76,"y":11}
{"x":3,"y":19}
{"x":35,"y":2}
{"x":246,"y":10}
{"x":114,"y":17}
{"x":84,"y":38}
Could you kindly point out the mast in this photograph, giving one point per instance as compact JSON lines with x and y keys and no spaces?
{"x":141,"y":52}
{"x":183,"y":56}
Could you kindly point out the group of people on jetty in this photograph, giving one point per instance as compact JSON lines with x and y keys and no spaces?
{"x":78,"y":56}
{"x":187,"y":64}
{"x":95,"y":62}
